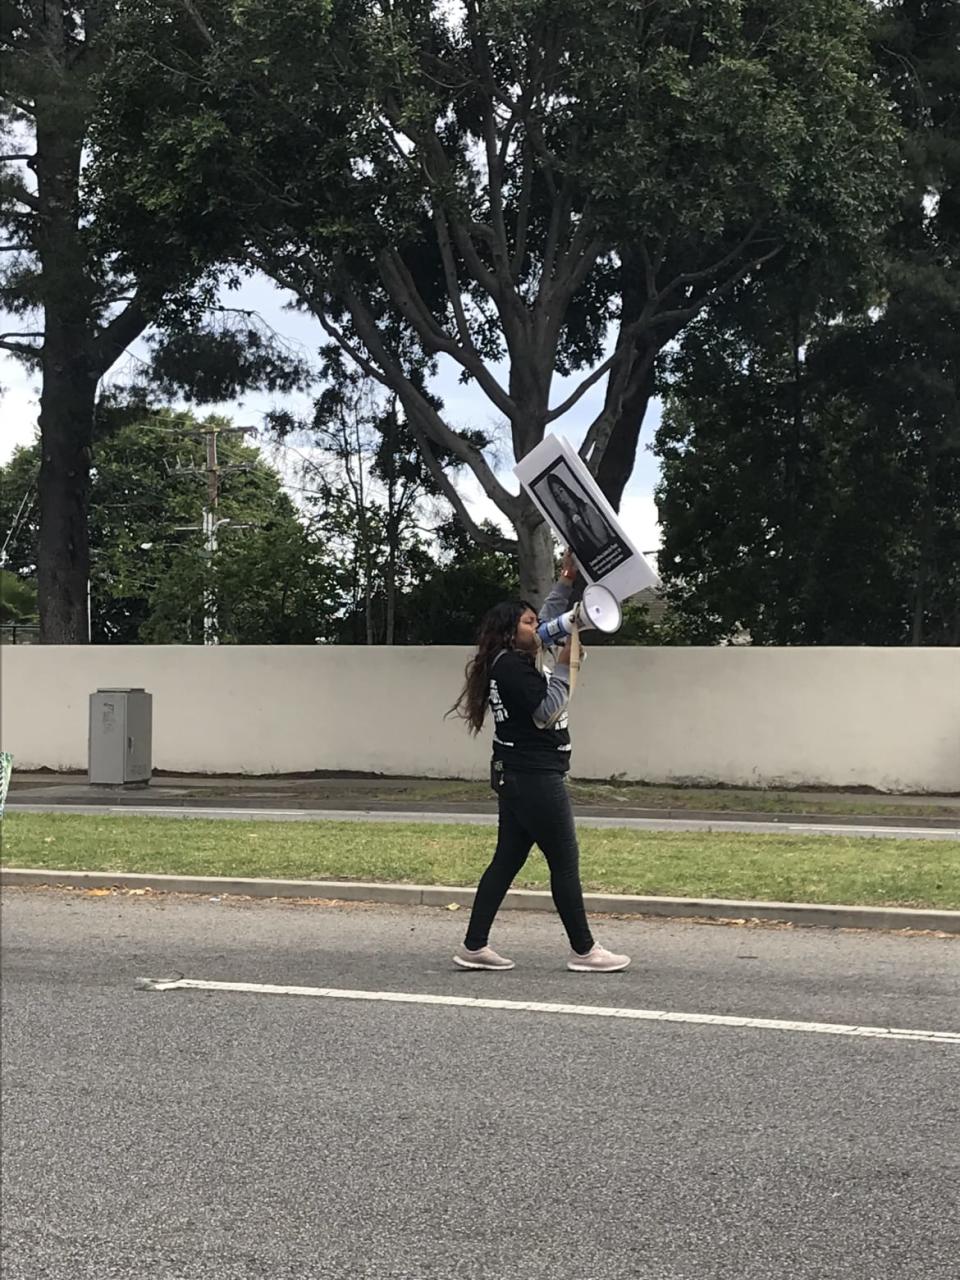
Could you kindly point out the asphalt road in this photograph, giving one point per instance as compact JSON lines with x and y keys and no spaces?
{"x":779,"y":827}
{"x":196,"y":1134}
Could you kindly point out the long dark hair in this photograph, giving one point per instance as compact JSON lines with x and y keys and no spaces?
{"x":497,"y":631}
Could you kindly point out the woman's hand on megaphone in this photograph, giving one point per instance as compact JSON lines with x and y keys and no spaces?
{"x":565,"y":653}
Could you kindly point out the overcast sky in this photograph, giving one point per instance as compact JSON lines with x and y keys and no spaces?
{"x":465,"y":406}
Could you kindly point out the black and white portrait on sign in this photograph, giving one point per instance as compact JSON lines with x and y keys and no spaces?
{"x":570,"y":500}
{"x":579,"y":522}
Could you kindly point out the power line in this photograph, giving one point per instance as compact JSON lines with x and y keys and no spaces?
{"x":23,"y":512}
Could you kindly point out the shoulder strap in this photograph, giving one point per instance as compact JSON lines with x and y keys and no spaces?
{"x":575,"y":659}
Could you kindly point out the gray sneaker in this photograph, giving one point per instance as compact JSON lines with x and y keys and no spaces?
{"x":597,"y":960}
{"x":485,"y":958}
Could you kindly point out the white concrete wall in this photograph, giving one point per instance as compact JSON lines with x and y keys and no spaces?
{"x":884,"y":718}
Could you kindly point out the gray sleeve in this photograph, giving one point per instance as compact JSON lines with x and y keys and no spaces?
{"x":555,"y":699}
{"x":557,"y":602}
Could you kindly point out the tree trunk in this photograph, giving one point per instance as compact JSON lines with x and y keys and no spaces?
{"x":924,"y":553}
{"x":536,"y":556}
{"x":368,"y":599}
{"x":390,"y":570}
{"x":393,"y":532}
{"x":69,"y":384}
{"x":63,"y":557}
{"x":619,"y":459}
{"x":616,"y":465}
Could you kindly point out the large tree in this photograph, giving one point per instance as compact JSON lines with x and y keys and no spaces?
{"x":75,"y":307}
{"x":518,"y":187}
{"x":811,"y":444}
{"x":55,"y":268}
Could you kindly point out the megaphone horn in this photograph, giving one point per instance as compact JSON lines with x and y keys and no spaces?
{"x":599,"y":608}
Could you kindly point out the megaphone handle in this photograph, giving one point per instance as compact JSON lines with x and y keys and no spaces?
{"x":574,"y":656}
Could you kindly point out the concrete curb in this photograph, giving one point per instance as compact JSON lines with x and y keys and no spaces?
{"x":800,"y":913}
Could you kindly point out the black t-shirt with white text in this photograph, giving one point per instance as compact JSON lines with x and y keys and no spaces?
{"x":517,"y":689}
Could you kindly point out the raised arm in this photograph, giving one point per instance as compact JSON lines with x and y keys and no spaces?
{"x":558,"y":601}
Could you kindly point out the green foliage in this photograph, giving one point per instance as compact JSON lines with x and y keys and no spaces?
{"x":811,"y":444}
{"x":18,"y":598}
{"x":270,"y":580}
{"x":504,"y":180}
{"x":273,"y":582}
{"x":217,"y":362}
{"x":495,"y":180}
{"x":79,"y":303}
{"x":19,"y":524}
{"x":810,"y":493}
{"x":460,"y":582}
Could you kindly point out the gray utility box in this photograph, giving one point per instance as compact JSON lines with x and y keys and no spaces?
{"x":121,"y":730}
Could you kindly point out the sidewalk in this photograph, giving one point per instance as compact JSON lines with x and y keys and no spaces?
{"x":354,"y":793}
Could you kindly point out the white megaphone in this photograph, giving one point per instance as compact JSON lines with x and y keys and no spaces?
{"x":599,"y":608}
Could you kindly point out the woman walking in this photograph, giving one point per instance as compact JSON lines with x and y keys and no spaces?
{"x":531,"y":756}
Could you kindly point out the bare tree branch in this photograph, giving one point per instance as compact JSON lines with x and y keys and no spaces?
{"x":721,"y":290}
{"x":556,"y":230}
{"x":624,"y":342}
{"x":271,"y":266}
{"x":451,"y":279}
{"x":580,"y":258}
{"x":547,"y":159}
{"x":692,"y":277}
{"x":19,"y":349}
{"x":9,"y":159}
{"x":112,"y":340}
{"x":196,"y":17}
{"x":386,"y":370}
{"x":418,"y":408}
{"x":627,"y":379}
{"x":523,"y":215}
{"x":24,"y":197}
{"x":498,"y":284}
{"x":652,"y":265}
{"x":403,"y":289}
{"x":495,"y":157}
{"x":484,"y":537}
{"x":598,"y":434}
{"x":650,"y":318}
{"x":352,"y":350}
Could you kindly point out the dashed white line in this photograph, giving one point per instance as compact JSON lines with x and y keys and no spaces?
{"x":582,"y":1010}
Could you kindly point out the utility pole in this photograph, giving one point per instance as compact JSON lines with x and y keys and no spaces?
{"x":211,"y":634}
{"x":211,"y":524}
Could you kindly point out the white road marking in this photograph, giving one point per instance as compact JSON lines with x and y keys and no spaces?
{"x":584,"y":1010}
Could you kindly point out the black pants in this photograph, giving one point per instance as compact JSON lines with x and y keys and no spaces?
{"x":534,"y":809}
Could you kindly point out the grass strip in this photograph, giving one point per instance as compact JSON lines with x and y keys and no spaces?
{"x":788,"y":868}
